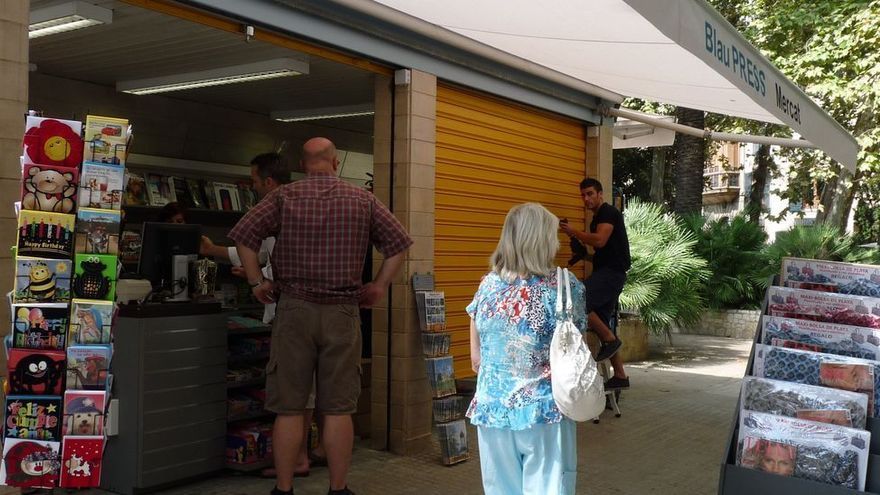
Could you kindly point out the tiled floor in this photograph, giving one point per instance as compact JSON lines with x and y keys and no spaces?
{"x":675,"y":423}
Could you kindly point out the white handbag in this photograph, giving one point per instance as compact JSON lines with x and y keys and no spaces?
{"x":577,"y":385}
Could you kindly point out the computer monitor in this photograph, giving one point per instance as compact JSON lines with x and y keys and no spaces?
{"x":160,"y":242}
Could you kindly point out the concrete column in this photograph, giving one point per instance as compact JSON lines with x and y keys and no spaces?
{"x":14,"y":19}
{"x":410,"y":184}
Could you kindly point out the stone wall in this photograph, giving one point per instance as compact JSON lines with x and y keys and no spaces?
{"x":734,"y":323}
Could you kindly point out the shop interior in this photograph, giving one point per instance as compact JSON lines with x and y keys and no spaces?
{"x":149,"y":67}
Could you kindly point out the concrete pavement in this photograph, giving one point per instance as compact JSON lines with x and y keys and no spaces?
{"x":676,"y":418}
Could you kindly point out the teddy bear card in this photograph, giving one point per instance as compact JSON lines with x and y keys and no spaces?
{"x":101,"y":185}
{"x":97,"y":231}
{"x":90,"y":322}
{"x":43,"y":234}
{"x":95,"y":276}
{"x":36,"y":372}
{"x":49,"y":188}
{"x":30,"y":464}
{"x":106,"y":139}
{"x":84,"y":412}
{"x":53,"y":142}
{"x":88,"y":367}
{"x":34,"y":417}
{"x":81,"y":461}
{"x":39,"y":326}
{"x":41,"y":280}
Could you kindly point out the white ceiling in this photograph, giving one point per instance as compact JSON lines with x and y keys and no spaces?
{"x":140,"y":43}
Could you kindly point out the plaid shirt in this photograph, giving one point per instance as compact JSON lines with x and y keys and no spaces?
{"x":323,"y":227}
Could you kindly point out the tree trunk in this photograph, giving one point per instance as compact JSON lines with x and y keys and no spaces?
{"x":841,"y":204}
{"x":690,"y":162}
{"x":658,"y":174}
{"x":827,"y":200}
{"x":763,"y":160}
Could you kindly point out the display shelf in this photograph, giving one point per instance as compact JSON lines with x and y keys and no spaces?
{"x":251,"y":466}
{"x":246,"y":383}
{"x":202,"y":216}
{"x":250,"y":415}
{"x":249,"y":331}
{"x":247,"y":358}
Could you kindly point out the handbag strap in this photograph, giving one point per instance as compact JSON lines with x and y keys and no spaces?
{"x":562,"y":278}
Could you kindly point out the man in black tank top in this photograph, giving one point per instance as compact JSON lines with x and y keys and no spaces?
{"x":607,"y":236}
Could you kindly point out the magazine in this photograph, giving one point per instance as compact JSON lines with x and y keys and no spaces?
{"x":226,"y":195}
{"x":159,"y":190}
{"x":135,"y":190}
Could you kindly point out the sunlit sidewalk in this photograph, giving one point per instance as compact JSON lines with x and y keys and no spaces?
{"x":676,"y":418}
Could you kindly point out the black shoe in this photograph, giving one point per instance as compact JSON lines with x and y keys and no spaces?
{"x":615,"y":383}
{"x":608,"y":349}
{"x":276,"y":491}
{"x":344,"y":491}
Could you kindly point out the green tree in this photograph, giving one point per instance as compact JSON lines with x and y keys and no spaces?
{"x":830,"y":49}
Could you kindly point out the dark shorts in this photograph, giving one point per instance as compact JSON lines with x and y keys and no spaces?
{"x":320,"y":342}
{"x":603,"y":288}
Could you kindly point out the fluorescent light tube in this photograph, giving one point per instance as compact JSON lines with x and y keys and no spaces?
{"x":65,"y":17}
{"x":322,"y":113}
{"x":254,"y":71}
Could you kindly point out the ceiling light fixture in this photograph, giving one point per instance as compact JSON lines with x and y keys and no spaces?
{"x":323,"y":113}
{"x":65,"y":17}
{"x":254,"y":71}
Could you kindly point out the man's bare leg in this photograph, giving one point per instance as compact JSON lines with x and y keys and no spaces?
{"x":338,"y":438}
{"x":287,"y":435}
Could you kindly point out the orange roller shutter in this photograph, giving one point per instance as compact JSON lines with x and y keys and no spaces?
{"x":493,"y":154}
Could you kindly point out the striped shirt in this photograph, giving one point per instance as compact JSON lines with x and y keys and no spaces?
{"x":323,"y":227}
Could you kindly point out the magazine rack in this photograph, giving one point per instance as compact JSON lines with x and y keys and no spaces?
{"x":736,"y":480}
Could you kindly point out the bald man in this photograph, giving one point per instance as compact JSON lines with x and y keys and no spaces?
{"x":323,"y":227}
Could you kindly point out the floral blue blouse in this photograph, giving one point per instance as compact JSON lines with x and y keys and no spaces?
{"x":515,"y":322}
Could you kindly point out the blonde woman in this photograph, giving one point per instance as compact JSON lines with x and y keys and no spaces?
{"x":526,"y":445}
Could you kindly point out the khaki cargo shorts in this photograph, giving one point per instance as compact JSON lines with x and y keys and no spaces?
{"x":314,"y":345}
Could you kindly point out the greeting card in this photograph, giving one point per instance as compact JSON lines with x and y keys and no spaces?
{"x":53,"y":142}
{"x":49,"y":188}
{"x":44,"y":234}
{"x":42,"y":280}
{"x":106,"y":139}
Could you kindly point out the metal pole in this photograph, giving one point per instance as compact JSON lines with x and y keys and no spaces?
{"x":657,"y":121}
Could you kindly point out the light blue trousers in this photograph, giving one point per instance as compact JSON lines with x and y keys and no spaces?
{"x":539,"y":461}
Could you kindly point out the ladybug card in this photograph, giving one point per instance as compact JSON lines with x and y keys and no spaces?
{"x":81,"y":461}
{"x":97,"y":231}
{"x":53,"y":142}
{"x":90,"y":322}
{"x":36,"y":372}
{"x":95,"y":276}
{"x":34,"y":417}
{"x":39,"y":326}
{"x":49,"y":188}
{"x":45,"y":234}
{"x":42,"y":280}
{"x":88,"y":367}
{"x":30,"y":463}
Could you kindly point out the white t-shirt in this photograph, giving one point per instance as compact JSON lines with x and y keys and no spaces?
{"x":265,"y":258}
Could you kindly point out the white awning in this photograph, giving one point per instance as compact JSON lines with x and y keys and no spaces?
{"x":680,"y":52}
